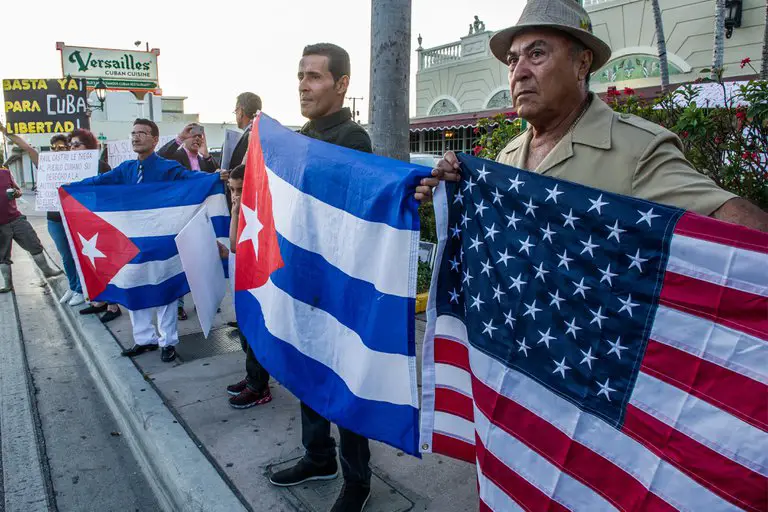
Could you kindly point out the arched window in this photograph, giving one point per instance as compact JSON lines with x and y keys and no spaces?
{"x":499,"y":100}
{"x":631,"y":67}
{"x":443,"y":107}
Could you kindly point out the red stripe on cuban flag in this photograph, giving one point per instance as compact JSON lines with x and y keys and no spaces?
{"x":695,"y":434}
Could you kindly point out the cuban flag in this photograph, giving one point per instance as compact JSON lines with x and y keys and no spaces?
{"x":122,"y":236}
{"x":326,"y":279}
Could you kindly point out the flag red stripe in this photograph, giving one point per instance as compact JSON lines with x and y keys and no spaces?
{"x":482,"y":507}
{"x":453,"y":447}
{"x":515,"y":486}
{"x":705,"y":228}
{"x":453,"y":402}
{"x":719,"y":386}
{"x":733,"y":308}
{"x":724,"y":477}
{"x":573,"y":458}
{"x":451,"y":352}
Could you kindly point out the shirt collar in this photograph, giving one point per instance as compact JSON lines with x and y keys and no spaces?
{"x":326,"y":123}
{"x":151,"y":158}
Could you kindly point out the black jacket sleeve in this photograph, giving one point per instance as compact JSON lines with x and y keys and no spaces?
{"x":355,"y":137}
{"x":169,"y":149}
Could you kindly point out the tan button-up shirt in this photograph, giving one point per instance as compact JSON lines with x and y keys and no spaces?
{"x":624,"y":154}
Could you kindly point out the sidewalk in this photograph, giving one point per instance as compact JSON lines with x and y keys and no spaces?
{"x":245,"y":445}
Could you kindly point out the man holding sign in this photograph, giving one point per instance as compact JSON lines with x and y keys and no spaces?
{"x":15,"y":226}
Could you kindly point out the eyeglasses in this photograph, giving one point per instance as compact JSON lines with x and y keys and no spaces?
{"x":60,"y":148}
{"x":138,"y":135}
{"x":76,"y":144}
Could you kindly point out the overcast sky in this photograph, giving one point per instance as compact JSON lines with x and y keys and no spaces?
{"x":212,"y":53}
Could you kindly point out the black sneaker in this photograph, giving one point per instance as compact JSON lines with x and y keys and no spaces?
{"x":138,"y":350}
{"x":167,"y":354}
{"x":304,"y":471}
{"x":236,"y":389}
{"x":352,"y":498}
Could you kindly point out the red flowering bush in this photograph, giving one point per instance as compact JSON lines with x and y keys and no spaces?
{"x":745,"y":61}
{"x":496,"y":132}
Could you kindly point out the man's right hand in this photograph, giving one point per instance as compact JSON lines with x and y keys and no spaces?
{"x":186,"y":133}
{"x":447,"y":169}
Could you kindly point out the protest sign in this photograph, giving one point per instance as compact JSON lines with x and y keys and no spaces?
{"x":201,"y":262}
{"x":56,"y":168}
{"x":118,"y":151}
{"x":45,"y":106}
{"x":231,"y":137}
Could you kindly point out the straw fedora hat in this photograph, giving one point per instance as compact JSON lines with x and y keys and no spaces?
{"x":564,"y":15}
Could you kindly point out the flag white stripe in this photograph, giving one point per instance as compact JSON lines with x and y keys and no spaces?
{"x":328,"y":231}
{"x":163,"y":221}
{"x":368,"y":374}
{"x":732,"y":349}
{"x":455,"y":426}
{"x":703,"y":422}
{"x":447,"y":376}
{"x":452,"y":328}
{"x":716,"y":263}
{"x":537,"y":470}
{"x":495,"y":498}
{"x":595,"y":434}
{"x":133,"y":275}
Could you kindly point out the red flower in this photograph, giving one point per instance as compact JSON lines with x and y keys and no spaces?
{"x":477,"y":150}
{"x":746,"y":155}
{"x":754,"y":156}
{"x":718,"y":140}
{"x":746,"y":61}
{"x":476,"y":131}
{"x":740,"y":114}
{"x":511,"y":114}
{"x":683,"y":134}
{"x":612,"y":93}
{"x":629,"y":91}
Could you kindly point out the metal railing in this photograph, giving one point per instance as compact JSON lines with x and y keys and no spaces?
{"x":438,"y":55}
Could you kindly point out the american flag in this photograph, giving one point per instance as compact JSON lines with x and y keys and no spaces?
{"x":591,"y":351}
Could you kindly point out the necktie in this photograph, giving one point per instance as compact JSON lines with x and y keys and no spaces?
{"x":140,"y":178}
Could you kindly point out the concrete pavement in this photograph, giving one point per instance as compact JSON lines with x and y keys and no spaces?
{"x":243,"y":446}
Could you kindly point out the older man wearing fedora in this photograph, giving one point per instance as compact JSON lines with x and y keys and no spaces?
{"x":573,"y":135}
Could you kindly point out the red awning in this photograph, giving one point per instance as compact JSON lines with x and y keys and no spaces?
{"x":461,"y":120}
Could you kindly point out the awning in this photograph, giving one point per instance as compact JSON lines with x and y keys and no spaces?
{"x":453,"y":121}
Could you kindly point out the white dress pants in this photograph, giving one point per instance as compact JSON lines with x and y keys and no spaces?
{"x":144,"y":330}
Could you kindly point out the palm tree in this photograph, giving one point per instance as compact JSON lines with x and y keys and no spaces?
{"x":764,"y":65}
{"x":661,"y":43}
{"x":718,"y":46}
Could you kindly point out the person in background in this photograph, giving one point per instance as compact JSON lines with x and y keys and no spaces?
{"x":254,"y":388}
{"x":148,"y":168}
{"x":189,"y":148}
{"x":15,"y":226}
{"x":323,"y":75}
{"x":247,"y":106}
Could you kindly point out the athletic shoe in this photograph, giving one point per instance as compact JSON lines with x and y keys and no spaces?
{"x":304,"y":471}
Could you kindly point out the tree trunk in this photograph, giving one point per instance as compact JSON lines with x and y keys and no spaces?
{"x":764,"y":64}
{"x":718,"y":46}
{"x":661,"y":43}
{"x":390,"y":77}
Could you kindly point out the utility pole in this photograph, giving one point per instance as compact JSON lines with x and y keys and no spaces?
{"x":390,"y":69}
{"x":355,"y":113}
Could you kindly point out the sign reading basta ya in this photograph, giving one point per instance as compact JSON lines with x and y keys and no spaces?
{"x":119,"y":69}
{"x":45,"y":106}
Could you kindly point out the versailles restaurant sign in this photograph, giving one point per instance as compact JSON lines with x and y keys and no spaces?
{"x":119,"y":69}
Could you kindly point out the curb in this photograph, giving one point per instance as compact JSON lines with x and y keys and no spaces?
{"x":181,"y":476}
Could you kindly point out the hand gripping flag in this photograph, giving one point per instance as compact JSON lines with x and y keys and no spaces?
{"x":590,"y":351}
{"x":122,"y":236}
{"x":326,"y":277}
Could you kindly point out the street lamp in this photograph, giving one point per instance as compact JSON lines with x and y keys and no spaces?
{"x":101,"y":94}
{"x":732,"y":16}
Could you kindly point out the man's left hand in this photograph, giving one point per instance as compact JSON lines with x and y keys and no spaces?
{"x":223,"y":174}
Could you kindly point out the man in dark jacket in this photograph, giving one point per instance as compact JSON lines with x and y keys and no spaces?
{"x":189,"y":148}
{"x":247,"y":106}
{"x":323,"y":81}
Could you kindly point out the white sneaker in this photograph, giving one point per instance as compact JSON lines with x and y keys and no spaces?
{"x":77,"y":299}
{"x":65,"y":298}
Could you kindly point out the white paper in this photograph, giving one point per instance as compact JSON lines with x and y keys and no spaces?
{"x":55,"y":168}
{"x":231,"y":137}
{"x":201,"y":262}
{"x":118,"y":151}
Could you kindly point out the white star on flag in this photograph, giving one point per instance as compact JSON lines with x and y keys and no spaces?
{"x":605,"y":388}
{"x":455,"y":231}
{"x":497,"y":293}
{"x":531,"y":309}
{"x":523,"y":347}
{"x":616,"y":347}
{"x":89,"y":249}
{"x":454,"y":264}
{"x":465,"y":219}
{"x":553,"y":193}
{"x":616,"y":231}
{"x":540,"y":271}
{"x":581,"y":288}
{"x":597,"y":204}
{"x":588,"y":246}
{"x":588,"y":357}
{"x":477,"y":302}
{"x":607,"y":275}
{"x":627,"y":304}
{"x":525,"y":246}
{"x":454,"y":296}
{"x":483,"y":173}
{"x":530,"y":207}
{"x":561,"y":367}
{"x":467,"y":277}
{"x":572,"y":328}
{"x":509,"y":319}
{"x":476,"y":243}
{"x":636,"y":261}
{"x":547,"y":233}
{"x":497,"y":196}
{"x":517,"y":283}
{"x":512,"y":220}
{"x":556,"y":299}
{"x":598,"y":317}
{"x":459,"y":199}
{"x":491,"y":232}
{"x":564,"y":260}
{"x":252,"y":227}
{"x":515,"y":184}
{"x":489,"y":328}
{"x":486,"y":267}
{"x":504,"y":257}
{"x":468,"y":185}
{"x":569,"y":219}
{"x":646,"y":216}
{"x":481,"y":207}
{"x":545,"y":338}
